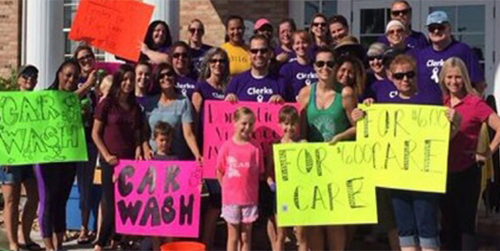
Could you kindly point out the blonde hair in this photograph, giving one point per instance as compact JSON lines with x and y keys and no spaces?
{"x":240,"y":112}
{"x":455,"y":62}
{"x":105,"y":85}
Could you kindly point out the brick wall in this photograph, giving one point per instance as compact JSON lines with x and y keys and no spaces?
{"x":10,"y":38}
{"x":213,"y":13}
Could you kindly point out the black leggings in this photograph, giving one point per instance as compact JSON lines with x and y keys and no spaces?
{"x":459,"y":209}
{"x":108,"y":205}
{"x":54,"y":186}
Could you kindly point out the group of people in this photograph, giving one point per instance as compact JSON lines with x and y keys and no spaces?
{"x":153,"y":110}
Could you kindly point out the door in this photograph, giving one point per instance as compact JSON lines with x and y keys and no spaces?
{"x":472,"y":23}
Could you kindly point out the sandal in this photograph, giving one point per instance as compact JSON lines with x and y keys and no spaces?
{"x":84,"y":238}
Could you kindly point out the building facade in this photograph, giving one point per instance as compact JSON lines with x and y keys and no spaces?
{"x":35,"y":31}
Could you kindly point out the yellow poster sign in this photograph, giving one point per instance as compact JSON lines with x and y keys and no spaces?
{"x":319,"y":184}
{"x":406,"y":146}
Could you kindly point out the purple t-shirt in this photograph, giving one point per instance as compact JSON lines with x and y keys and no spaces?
{"x":197,"y":56}
{"x":278,"y":50}
{"x":430,"y":61}
{"x":416,"y":40}
{"x":248,"y":88}
{"x":208,"y":92}
{"x":294,"y":76}
{"x":186,"y":84}
{"x":385,"y":92}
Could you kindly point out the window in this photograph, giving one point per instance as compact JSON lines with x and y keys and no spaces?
{"x":373,"y":23}
{"x":311,"y":7}
{"x":70,"y":7}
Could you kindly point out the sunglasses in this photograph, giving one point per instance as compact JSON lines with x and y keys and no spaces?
{"x":194,"y":30}
{"x":401,"y":75}
{"x":400,"y":12}
{"x":319,"y":24}
{"x":166,"y":74}
{"x":433,"y":27}
{"x":178,"y":55}
{"x":220,"y":61}
{"x":320,"y":64}
{"x":84,"y":58}
{"x":397,"y":31}
{"x":370,"y":58}
{"x":262,"y":50}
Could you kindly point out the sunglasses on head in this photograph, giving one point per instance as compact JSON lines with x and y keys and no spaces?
{"x":262,"y":50}
{"x":370,"y":58}
{"x":401,"y":75}
{"x":321,"y":64}
{"x":193,"y":30}
{"x":178,"y":55}
{"x":319,"y":24}
{"x":439,"y":27}
{"x":400,"y":12}
{"x":220,"y":61}
{"x":167,"y":74}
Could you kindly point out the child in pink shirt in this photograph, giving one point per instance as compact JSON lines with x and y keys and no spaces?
{"x":239,"y":167}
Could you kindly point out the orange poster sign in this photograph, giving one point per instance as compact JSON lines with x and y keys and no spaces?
{"x":115,"y":26}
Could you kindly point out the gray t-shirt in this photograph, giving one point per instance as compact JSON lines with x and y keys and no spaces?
{"x":176,"y":114}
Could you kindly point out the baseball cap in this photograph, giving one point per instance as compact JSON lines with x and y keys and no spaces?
{"x":261,"y":22}
{"x":437,"y":17}
{"x":28,"y":71}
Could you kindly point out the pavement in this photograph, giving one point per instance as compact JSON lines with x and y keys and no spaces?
{"x":488,"y":237}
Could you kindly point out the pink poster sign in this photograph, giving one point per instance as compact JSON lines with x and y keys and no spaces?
{"x":158,"y":198}
{"x":218,"y":127}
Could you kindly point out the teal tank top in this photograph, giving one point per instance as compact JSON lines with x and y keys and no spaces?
{"x":323,"y":124}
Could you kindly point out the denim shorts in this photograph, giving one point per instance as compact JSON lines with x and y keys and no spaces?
{"x":16,"y":174}
{"x":417,"y":218}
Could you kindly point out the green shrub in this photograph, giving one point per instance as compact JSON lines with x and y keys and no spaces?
{"x":9,"y":83}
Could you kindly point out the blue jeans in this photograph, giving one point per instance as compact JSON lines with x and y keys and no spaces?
{"x":417,"y":218}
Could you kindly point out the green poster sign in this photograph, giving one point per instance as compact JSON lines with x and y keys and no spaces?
{"x":41,"y":127}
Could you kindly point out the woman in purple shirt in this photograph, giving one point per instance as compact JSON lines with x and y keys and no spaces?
{"x":299,"y":73}
{"x":198,"y":48}
{"x":416,"y":213}
{"x":284,"y":52}
{"x":318,"y":31}
{"x":180,"y":54}
{"x":116,"y":132}
{"x":212,"y":85}
{"x":155,"y":46}
{"x":142,"y":82}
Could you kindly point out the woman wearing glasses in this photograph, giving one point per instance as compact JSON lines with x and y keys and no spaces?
{"x":198,"y":48}
{"x":395,"y":32}
{"x":401,"y":10}
{"x":327,"y":118}
{"x":212,"y":85}
{"x":318,"y":31}
{"x":180,"y":54}
{"x":85,"y":170}
{"x":171,"y":107}
{"x":416,"y":213}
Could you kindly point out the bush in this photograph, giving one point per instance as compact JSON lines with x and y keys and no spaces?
{"x":9,"y":83}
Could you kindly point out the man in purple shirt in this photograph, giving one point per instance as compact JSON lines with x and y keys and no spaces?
{"x":256,"y":84}
{"x":443,"y":46}
{"x":401,"y":10}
